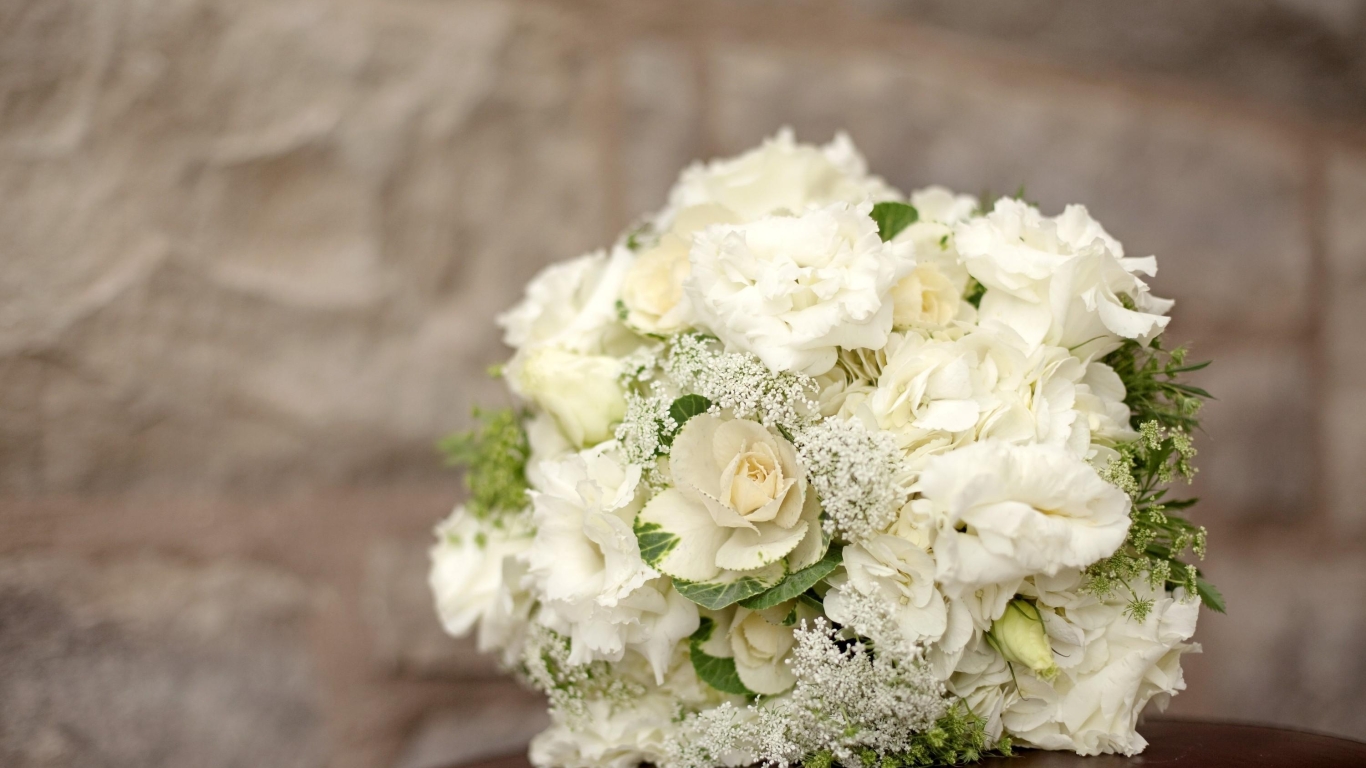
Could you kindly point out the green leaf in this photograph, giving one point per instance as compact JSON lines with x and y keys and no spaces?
{"x":1209,"y":595}
{"x":655,"y":542}
{"x":892,"y":217}
{"x":686,"y":407}
{"x":732,"y":586}
{"x":714,"y":671}
{"x":797,"y":583}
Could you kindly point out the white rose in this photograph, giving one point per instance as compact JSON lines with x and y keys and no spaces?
{"x":762,"y":642}
{"x":586,"y":564}
{"x":899,"y":574}
{"x":474,"y":577}
{"x":1062,"y":281}
{"x":779,"y":176}
{"x":740,"y":502}
{"x":580,"y":391}
{"x":653,"y":289}
{"x":1007,"y":511}
{"x":1111,"y":668}
{"x":793,"y":289}
{"x":573,"y":305}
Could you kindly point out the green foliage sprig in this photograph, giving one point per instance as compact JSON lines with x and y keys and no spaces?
{"x":494,"y":454}
{"x":1154,"y":391}
{"x":1165,"y":411}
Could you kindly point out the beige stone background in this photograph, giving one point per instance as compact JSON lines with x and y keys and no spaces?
{"x":250,"y":251}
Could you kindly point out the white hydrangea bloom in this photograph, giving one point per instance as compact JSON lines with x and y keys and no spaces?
{"x":901,"y":576}
{"x":793,"y":289}
{"x":1005,"y":511}
{"x":1062,"y":280}
{"x":586,"y":565}
{"x":780,"y":176}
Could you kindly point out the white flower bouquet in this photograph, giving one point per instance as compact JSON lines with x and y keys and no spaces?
{"x":804,"y":470}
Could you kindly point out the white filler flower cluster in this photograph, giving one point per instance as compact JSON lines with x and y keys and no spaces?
{"x":808,"y":470}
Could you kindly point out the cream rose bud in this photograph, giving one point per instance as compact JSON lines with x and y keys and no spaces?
{"x":924,"y":298}
{"x":762,"y":642}
{"x":653,"y":289}
{"x":580,"y":391}
{"x":1020,"y":638}
{"x":793,"y":290}
{"x":740,"y":502}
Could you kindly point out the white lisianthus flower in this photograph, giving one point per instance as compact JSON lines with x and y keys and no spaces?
{"x":653,"y":289}
{"x":586,"y":565}
{"x":580,"y":391}
{"x":781,"y":176}
{"x":740,"y":502}
{"x":572,"y":305}
{"x":1005,"y":511}
{"x":1114,"y":667}
{"x":474,"y":577}
{"x":793,"y":289}
{"x":1062,"y":281}
{"x":901,"y":576}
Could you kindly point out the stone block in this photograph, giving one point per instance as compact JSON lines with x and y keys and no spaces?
{"x":1344,"y":329}
{"x":276,"y":256}
{"x":406,"y":635}
{"x":496,"y":720}
{"x":661,"y":121}
{"x":1345,"y":324}
{"x":149,"y":662}
{"x":1289,"y":650}
{"x":1301,"y":55}
{"x":1257,"y":442}
{"x":1217,"y":200}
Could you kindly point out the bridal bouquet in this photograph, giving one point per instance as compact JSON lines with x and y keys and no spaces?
{"x":804,"y":470}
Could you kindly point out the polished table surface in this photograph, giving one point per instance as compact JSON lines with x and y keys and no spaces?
{"x":1173,"y":743}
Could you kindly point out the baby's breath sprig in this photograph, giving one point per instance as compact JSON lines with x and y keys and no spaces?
{"x":570,"y":687}
{"x":856,"y":473}
{"x":740,"y":383}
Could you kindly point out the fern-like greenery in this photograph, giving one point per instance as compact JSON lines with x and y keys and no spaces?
{"x":1165,"y":411}
{"x":494,"y":454}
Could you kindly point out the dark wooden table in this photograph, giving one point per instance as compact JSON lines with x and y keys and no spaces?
{"x":1174,"y":743}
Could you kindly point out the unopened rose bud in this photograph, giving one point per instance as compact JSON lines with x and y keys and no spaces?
{"x":1019,"y":636}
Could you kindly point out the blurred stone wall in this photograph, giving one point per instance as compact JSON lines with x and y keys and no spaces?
{"x":250,"y":251}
